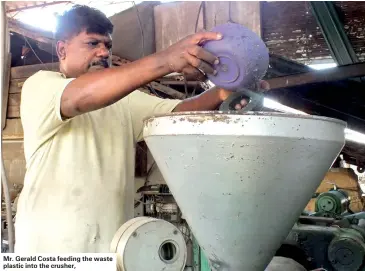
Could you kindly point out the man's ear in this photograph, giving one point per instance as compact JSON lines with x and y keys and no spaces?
{"x":61,"y":49}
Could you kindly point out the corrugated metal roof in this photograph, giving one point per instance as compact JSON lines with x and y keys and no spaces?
{"x":291,"y":30}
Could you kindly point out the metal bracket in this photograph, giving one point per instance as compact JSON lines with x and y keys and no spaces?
{"x":333,"y":32}
{"x":255,"y":101}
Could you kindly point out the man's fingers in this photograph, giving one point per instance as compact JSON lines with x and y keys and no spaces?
{"x":264,"y":85}
{"x":192,"y":74}
{"x":241,"y":105}
{"x":204,"y":36}
{"x":244,"y":102}
{"x":202,"y":54}
{"x":199,"y":64}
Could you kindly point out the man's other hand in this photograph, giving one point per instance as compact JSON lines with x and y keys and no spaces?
{"x":224,"y":94}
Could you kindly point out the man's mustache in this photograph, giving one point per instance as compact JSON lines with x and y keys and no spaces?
{"x":104,"y":63}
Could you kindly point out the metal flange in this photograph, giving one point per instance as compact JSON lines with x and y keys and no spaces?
{"x":146,"y":244}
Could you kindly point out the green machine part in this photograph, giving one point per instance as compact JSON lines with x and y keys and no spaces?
{"x":332,"y":202}
{"x":346,"y":252}
{"x":204,"y":263}
{"x":201,"y":262}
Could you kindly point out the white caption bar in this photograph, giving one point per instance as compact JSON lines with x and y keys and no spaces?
{"x":79,"y":262}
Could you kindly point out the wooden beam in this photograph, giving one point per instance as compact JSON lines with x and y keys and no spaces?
{"x":14,"y":161}
{"x":14,"y":105}
{"x":167,"y":90}
{"x":16,"y":85}
{"x":13,"y":130}
{"x":30,"y":32}
{"x":29,"y":70}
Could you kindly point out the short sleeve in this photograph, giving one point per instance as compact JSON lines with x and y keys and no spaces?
{"x":143,"y":105}
{"x":40,"y":108}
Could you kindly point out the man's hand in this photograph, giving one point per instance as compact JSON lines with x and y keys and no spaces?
{"x":188,"y":57}
{"x":211,"y":99}
{"x":224,"y":94}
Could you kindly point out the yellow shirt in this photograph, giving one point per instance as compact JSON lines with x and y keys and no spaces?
{"x":79,"y":184}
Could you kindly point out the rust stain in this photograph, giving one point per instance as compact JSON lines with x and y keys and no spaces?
{"x":202,"y":119}
{"x":197,"y":119}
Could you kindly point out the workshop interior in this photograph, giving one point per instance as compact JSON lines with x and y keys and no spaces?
{"x":233,"y":188}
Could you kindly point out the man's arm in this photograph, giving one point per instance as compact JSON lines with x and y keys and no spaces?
{"x":211,"y":99}
{"x":102,"y":88}
{"x":208,"y":100}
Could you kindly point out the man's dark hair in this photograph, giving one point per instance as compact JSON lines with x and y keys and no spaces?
{"x":82,"y":18}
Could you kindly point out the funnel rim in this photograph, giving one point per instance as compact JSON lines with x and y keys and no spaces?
{"x":250,"y":113}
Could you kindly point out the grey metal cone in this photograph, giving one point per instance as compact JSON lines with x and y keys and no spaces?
{"x":241,"y":181}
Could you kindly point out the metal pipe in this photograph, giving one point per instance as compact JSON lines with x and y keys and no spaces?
{"x":333,"y":74}
{"x":4,"y":179}
{"x":315,"y":76}
{"x":318,"y":219}
{"x":172,"y":82}
{"x":334,"y":32}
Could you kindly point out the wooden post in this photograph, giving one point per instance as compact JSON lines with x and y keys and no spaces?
{"x":5,"y":90}
{"x":175,"y":21}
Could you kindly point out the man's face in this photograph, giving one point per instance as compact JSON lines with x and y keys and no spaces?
{"x":84,"y":53}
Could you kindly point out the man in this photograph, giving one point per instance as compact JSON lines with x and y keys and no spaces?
{"x":80,"y":130}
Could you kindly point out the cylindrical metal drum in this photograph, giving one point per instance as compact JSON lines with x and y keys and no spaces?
{"x":146,"y":244}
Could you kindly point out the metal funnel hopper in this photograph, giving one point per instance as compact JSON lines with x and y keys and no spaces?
{"x":242,"y":180}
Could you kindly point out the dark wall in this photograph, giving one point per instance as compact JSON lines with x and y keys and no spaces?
{"x":34,"y":55}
